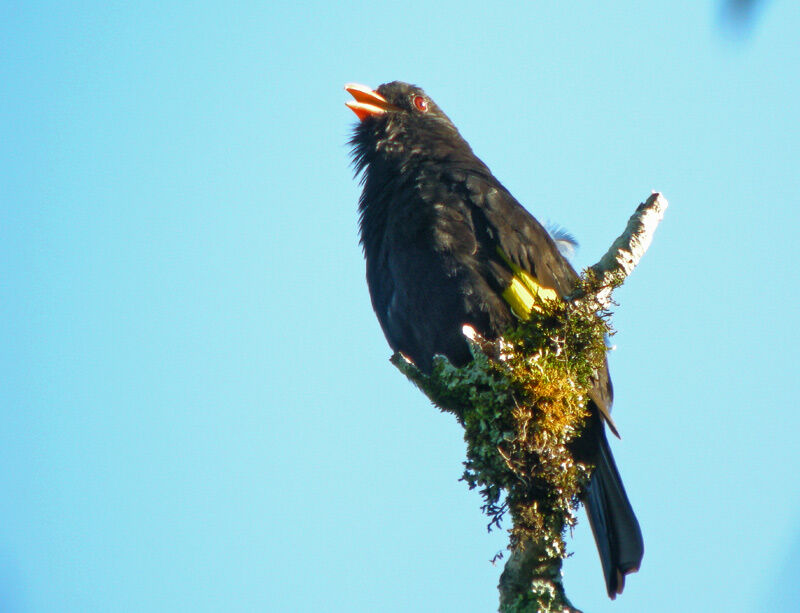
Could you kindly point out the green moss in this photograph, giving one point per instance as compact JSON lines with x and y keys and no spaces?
{"x":522,"y":401}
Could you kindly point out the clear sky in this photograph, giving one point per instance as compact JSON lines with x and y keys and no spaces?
{"x":198,"y":409}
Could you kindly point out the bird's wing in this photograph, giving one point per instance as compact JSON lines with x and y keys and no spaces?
{"x":530,"y":251}
{"x":523,"y":240}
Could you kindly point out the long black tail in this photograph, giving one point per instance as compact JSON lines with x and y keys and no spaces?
{"x":616,"y":530}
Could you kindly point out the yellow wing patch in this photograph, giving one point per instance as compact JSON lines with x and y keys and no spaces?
{"x":525,"y":291}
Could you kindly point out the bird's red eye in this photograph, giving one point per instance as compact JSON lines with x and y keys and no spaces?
{"x":421,"y":103}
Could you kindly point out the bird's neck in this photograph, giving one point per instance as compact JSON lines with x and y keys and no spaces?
{"x":385,"y":186}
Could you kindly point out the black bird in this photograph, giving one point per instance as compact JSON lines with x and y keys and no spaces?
{"x":447,"y":245}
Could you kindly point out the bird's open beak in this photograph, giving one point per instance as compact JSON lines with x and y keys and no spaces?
{"x":367,"y":103}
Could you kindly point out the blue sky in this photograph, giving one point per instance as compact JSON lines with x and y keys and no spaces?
{"x":199,"y":412}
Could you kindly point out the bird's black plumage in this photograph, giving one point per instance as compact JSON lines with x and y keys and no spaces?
{"x":439,"y":233}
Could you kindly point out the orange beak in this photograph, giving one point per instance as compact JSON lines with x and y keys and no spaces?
{"x":368,"y":102}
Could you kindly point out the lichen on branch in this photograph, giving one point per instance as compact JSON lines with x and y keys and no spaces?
{"x":522,"y":401}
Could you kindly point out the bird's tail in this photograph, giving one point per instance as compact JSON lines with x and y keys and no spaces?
{"x":615,"y":527}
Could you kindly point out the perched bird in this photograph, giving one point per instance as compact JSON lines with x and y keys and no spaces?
{"x":446,"y":245}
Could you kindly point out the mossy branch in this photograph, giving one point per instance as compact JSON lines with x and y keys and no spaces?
{"x":523,"y":402}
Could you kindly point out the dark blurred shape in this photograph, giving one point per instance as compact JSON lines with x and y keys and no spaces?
{"x":10,"y":584}
{"x":739,"y":16}
{"x":784,"y":593}
{"x":741,"y":9}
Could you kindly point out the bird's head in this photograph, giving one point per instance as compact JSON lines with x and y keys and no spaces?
{"x":400,"y":123}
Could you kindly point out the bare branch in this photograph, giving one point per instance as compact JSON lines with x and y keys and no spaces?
{"x":625,"y":252}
